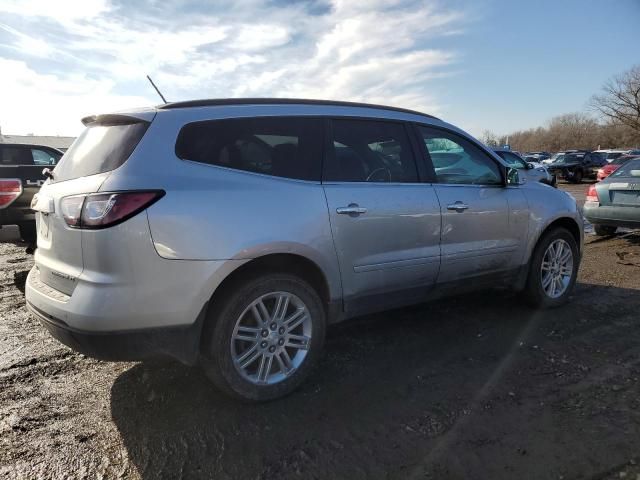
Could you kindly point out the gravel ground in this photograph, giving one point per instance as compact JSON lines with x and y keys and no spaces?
{"x":474,"y":387}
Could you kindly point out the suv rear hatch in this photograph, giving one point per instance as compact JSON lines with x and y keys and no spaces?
{"x":105,"y":144}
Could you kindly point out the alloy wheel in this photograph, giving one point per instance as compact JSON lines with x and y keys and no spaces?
{"x":557,"y":268}
{"x":271,"y":338}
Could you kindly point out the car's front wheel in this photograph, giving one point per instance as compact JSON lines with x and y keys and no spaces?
{"x":264,"y":338}
{"x":553,"y":269}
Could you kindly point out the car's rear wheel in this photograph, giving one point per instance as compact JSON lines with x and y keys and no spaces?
{"x":604,"y":230}
{"x":264,"y":338}
{"x":553,"y":269}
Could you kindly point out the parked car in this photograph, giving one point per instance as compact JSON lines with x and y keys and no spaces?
{"x":539,"y":156}
{"x":530,"y":171}
{"x":21,"y":176}
{"x":615,"y":202}
{"x":230,"y":233}
{"x":576,"y":166}
{"x":609,"y":168}
{"x":612,"y":154}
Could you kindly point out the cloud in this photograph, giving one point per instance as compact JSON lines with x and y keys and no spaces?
{"x":80,"y":58}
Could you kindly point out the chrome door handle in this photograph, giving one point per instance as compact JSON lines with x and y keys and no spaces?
{"x":458,"y":207}
{"x":352,"y":209}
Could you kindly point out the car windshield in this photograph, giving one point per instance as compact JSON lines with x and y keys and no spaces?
{"x":629,"y":169}
{"x":557,"y":158}
{"x":613,"y":155}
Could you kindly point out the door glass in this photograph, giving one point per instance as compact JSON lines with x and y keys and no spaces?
{"x":458,"y":161}
{"x":10,"y":155}
{"x":370,"y":151}
{"x":40,"y":157}
{"x":289,"y":147}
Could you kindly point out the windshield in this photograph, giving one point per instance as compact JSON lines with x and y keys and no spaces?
{"x":629,"y":169}
{"x":613,"y":155}
{"x":558,"y":157}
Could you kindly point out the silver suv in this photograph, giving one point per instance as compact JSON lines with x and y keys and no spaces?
{"x":230,"y":233}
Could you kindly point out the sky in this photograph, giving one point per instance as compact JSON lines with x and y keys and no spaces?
{"x":498,"y":65}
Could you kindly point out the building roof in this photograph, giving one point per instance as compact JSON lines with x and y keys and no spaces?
{"x":49,"y":141}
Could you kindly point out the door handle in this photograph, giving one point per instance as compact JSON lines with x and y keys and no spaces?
{"x":458,"y":207}
{"x":353,"y":209}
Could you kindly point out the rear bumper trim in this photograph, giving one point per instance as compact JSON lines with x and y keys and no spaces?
{"x":181,"y":343}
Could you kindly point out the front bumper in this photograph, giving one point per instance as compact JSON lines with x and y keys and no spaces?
{"x":181,"y":343}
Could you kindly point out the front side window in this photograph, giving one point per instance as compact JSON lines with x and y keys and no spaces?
{"x":41,"y":157}
{"x":287,"y":147}
{"x":15,"y":156}
{"x":458,"y":161}
{"x":513,"y":160}
{"x":370,"y":151}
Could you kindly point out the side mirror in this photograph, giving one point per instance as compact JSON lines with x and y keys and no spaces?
{"x":513,"y":177}
{"x":530,"y":166}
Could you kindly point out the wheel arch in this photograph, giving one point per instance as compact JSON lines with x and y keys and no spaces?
{"x":291,"y":263}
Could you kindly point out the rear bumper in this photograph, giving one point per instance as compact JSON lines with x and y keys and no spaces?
{"x":618,"y":216}
{"x":181,"y":343}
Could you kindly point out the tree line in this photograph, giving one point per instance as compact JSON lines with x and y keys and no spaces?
{"x":616,"y":123}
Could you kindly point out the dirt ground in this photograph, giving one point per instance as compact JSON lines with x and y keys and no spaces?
{"x":473,"y":387}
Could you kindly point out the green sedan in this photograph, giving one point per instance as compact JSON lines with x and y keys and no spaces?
{"x":615,"y":201}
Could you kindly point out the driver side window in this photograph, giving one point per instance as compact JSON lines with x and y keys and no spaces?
{"x":370,"y":151}
{"x":458,"y":161}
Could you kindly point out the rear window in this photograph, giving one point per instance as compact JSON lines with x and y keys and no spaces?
{"x":100,"y":148}
{"x":288,"y":147}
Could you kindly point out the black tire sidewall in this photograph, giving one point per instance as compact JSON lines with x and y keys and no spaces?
{"x":216,"y":350}
{"x":604,"y":230}
{"x":534,"y":292}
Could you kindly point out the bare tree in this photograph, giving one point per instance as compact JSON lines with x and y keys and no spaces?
{"x":620,"y":99}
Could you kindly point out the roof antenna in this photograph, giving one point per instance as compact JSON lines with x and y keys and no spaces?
{"x":154,"y":86}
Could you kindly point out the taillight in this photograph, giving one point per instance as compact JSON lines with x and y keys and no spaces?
{"x":101,"y":210}
{"x":10,"y":190}
{"x":592,"y":194}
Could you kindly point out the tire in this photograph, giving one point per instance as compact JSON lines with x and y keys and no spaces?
{"x":535,"y":293}
{"x":28,"y":232}
{"x":604,"y":230}
{"x":577,"y":177}
{"x":221,"y":354}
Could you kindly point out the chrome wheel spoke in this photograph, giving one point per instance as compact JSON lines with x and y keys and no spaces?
{"x":298,"y":341}
{"x":250,"y":357}
{"x":296,"y":319}
{"x":248,"y":334}
{"x":284,"y":361}
{"x":282,"y":305}
{"x":260,"y":312}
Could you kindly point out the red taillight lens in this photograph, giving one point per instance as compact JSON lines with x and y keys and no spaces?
{"x":101,"y":210}
{"x":72,"y":209}
{"x":592,"y":194}
{"x":10,"y":189}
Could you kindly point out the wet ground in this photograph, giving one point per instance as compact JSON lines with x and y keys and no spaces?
{"x":473,"y":387}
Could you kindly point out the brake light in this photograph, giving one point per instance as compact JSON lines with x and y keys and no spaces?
{"x":10,"y":190}
{"x":592,"y":194}
{"x":101,"y":210}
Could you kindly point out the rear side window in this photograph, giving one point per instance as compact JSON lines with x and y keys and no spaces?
{"x":289,"y":147}
{"x":370,"y":151}
{"x":100,"y":148}
{"x":15,"y":155}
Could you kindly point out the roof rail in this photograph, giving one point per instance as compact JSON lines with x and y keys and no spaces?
{"x":280,"y":101}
